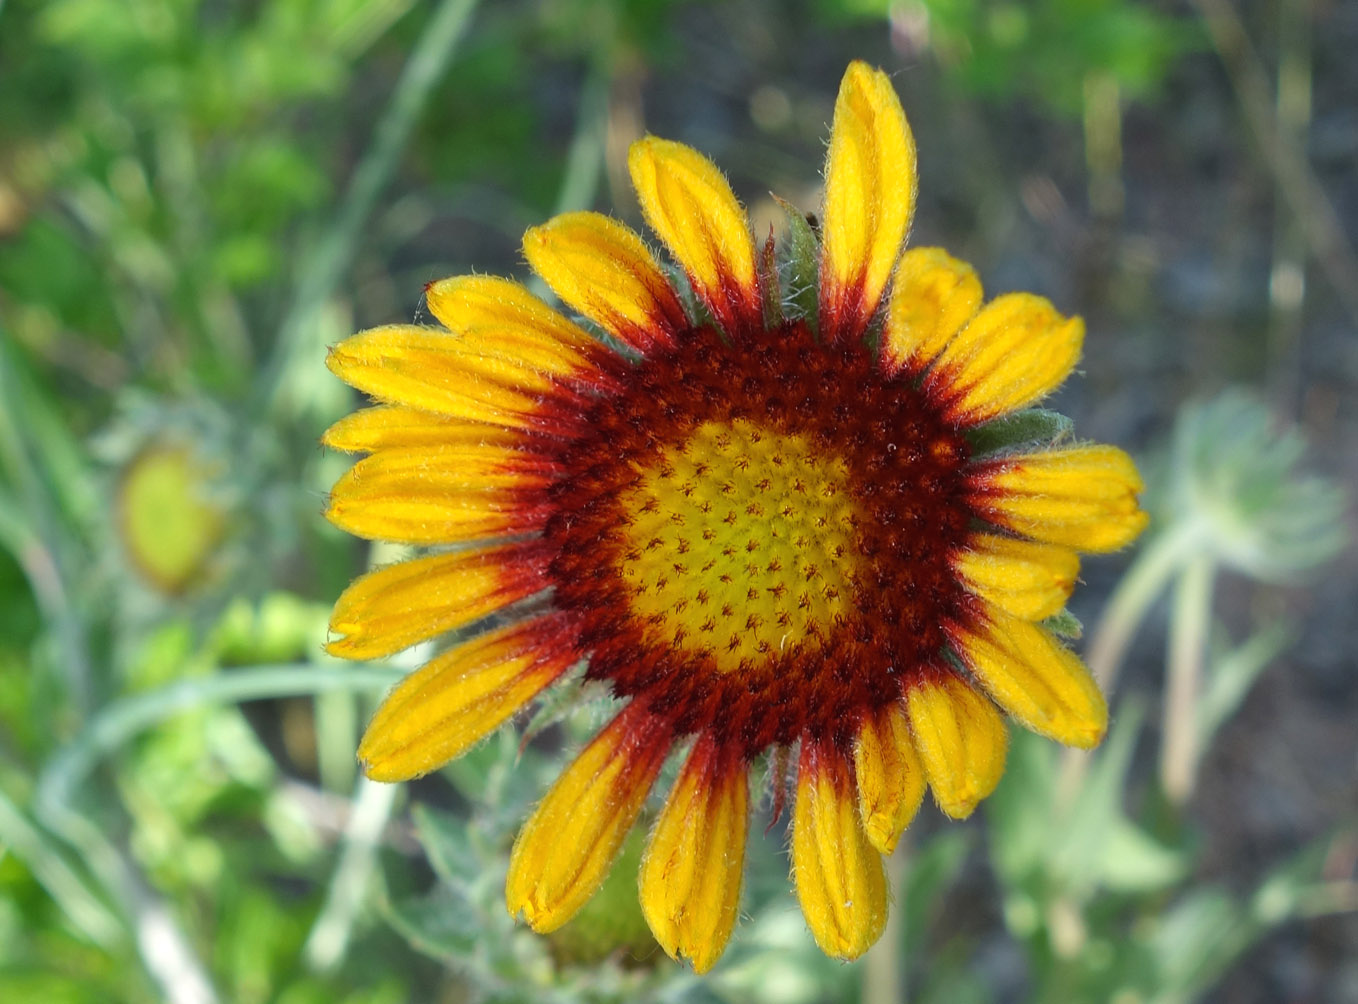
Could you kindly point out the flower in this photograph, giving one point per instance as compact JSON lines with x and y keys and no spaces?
{"x":168,"y":521}
{"x":761,"y":528}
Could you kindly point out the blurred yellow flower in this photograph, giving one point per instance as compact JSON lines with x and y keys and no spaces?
{"x":168,"y":525}
{"x":760,"y":529}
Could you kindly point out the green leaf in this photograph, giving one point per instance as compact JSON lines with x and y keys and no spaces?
{"x":441,"y":925}
{"x":1019,"y":816}
{"x":933,"y":869}
{"x":1065,"y":625}
{"x":1134,"y":861}
{"x":800,"y":266}
{"x":1076,"y":854}
{"x":1233,"y":673}
{"x":444,"y":839}
{"x":1195,"y":941}
{"x":1034,"y":427}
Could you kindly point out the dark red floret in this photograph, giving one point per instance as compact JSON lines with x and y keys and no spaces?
{"x":906,"y":469}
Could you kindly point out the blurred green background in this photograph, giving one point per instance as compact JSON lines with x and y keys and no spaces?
{"x":198,"y":196}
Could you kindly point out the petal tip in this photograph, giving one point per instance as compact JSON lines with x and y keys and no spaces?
{"x":882,"y":834}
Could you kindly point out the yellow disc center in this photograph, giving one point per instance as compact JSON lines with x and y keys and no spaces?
{"x":741,"y":543}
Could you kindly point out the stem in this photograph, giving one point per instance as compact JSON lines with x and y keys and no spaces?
{"x":884,"y":980}
{"x":1287,"y":278}
{"x":66,"y":887}
{"x":1340,"y":896}
{"x":45,"y":554}
{"x":585,"y":158}
{"x":329,"y":935}
{"x":1103,"y":145}
{"x":336,"y":732}
{"x":1297,"y":183}
{"x":331,"y":255}
{"x":1189,"y":624}
{"x":1132,"y":599}
{"x":120,"y":721}
{"x":165,"y":950}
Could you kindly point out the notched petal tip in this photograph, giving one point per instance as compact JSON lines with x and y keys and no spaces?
{"x":1016,"y":350}
{"x":442,"y":709}
{"x":690,"y":878}
{"x":961,"y":739}
{"x":1084,"y":497}
{"x":1035,"y":678}
{"x":564,"y":851}
{"x":499,"y":380}
{"x":839,"y":877}
{"x":392,"y":608}
{"x":888,"y":774}
{"x":436,"y":495}
{"x":394,"y":427}
{"x":1025,"y":578}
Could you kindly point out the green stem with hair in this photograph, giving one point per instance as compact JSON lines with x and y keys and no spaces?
{"x":1189,"y":625}
{"x":332,"y":253}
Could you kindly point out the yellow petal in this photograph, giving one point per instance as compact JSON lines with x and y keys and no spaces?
{"x":690,"y":878}
{"x":469,"y":303}
{"x":870,"y":185}
{"x":1024,"y":578}
{"x":889,"y":776}
{"x":441,"y":710}
{"x":1035,"y":678}
{"x":437,"y":495}
{"x":394,"y":426}
{"x":395,"y":607}
{"x":431,"y":370}
{"x":961,"y":739}
{"x":840,"y":880}
{"x":602,"y":269}
{"x":565,"y":849}
{"x":1083,"y":497}
{"x":1016,"y":350}
{"x":933,"y":296}
{"x":690,"y":206}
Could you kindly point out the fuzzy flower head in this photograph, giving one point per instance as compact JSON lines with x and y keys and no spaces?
{"x":762,"y":527}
